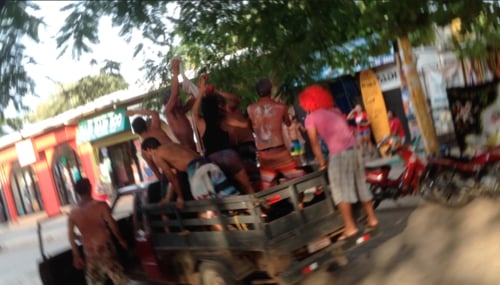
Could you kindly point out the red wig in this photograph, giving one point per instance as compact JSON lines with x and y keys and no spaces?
{"x":315,"y":97}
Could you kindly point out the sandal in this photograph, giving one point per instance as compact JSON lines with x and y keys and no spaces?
{"x":373,"y":229}
{"x":344,"y":237}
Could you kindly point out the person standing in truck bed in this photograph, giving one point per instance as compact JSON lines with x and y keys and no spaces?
{"x":267,"y":117}
{"x":345,"y":164}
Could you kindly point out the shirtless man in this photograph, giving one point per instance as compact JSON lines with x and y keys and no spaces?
{"x":175,"y":111}
{"x":205,"y":178}
{"x":95,"y":224}
{"x":141,"y":128}
{"x":267,"y":117}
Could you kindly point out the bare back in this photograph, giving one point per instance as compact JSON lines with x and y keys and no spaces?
{"x":89,"y":218}
{"x":181,"y":127}
{"x":174,"y":155}
{"x":156,"y":133}
{"x":267,"y":117}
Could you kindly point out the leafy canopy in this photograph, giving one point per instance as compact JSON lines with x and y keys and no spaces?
{"x":16,"y":23}
{"x":83,"y":91}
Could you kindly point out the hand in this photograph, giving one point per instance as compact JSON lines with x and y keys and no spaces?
{"x":201,"y":83}
{"x":78,"y":262}
{"x":180,"y":203}
{"x":129,"y":113}
{"x":322,"y":166}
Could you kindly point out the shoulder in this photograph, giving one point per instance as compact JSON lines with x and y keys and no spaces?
{"x":101,"y":205}
{"x":310,"y":120}
{"x":73,"y":213}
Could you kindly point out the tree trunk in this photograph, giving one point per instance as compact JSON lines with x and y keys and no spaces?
{"x":417,"y":97}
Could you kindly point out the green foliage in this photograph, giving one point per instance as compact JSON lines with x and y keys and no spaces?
{"x":289,"y":41}
{"x":83,"y":91}
{"x":16,"y":23}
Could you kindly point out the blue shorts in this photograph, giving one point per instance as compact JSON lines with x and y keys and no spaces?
{"x":208,"y":181}
{"x":364,"y":133}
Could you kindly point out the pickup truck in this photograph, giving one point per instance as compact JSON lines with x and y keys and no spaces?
{"x":276,"y":236}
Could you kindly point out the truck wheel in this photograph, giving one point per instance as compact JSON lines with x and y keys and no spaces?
{"x":214,"y":273}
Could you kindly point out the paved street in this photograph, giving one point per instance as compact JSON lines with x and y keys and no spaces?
{"x":420,"y":243}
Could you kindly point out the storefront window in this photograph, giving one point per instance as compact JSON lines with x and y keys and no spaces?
{"x":26,"y":192}
{"x":66,"y":170}
{"x":119,"y":166}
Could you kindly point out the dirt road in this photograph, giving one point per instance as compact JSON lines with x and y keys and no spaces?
{"x":427,"y":244}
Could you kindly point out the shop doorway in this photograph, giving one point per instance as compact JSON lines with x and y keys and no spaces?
{"x":25,"y":189}
{"x":66,"y":170}
{"x":118,"y":165}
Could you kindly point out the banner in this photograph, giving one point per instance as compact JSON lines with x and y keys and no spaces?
{"x":476,"y":116}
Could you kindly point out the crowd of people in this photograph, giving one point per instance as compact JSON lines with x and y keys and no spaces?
{"x":240,"y":154}
{"x":244,"y":154}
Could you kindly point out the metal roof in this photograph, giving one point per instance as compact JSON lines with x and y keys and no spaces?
{"x":72,"y":117}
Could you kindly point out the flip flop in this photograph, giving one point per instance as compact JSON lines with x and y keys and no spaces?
{"x":353,"y":240}
{"x":371,"y":229}
{"x":344,"y":237}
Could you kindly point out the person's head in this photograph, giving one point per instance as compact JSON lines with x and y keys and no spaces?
{"x":390,"y":114}
{"x":150,"y":144}
{"x":139,"y":125}
{"x":358,"y":108}
{"x":212,"y":107}
{"x":315,"y":97}
{"x":264,"y":87}
{"x":83,"y":187}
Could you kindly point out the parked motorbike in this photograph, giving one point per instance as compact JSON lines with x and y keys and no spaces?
{"x":454,"y":181}
{"x":382,"y":185}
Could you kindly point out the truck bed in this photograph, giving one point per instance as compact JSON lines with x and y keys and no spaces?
{"x":283,"y":218}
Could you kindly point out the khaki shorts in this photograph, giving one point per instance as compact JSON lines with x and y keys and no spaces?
{"x":346,"y":172}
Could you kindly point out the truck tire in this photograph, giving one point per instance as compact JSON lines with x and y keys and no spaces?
{"x":214,"y":273}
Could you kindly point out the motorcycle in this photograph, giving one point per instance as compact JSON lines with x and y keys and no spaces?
{"x":455,"y":181}
{"x":377,"y":173}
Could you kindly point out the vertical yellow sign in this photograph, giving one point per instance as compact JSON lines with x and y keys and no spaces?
{"x":374,"y":103}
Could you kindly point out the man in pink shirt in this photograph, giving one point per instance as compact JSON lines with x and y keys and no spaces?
{"x":345,"y":163}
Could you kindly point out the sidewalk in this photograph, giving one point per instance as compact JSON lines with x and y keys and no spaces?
{"x":24,"y":232}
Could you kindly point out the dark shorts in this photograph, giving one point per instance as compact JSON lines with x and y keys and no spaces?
{"x":248,"y":155}
{"x":228,"y":160}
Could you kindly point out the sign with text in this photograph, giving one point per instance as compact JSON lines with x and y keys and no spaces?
{"x":25,"y":152}
{"x":102,"y":126}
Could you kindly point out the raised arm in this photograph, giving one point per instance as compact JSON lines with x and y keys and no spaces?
{"x":198,"y":120}
{"x":174,"y":89}
{"x":229,"y":96}
{"x":350,"y":116}
{"x":189,"y":104}
{"x":155,"y":117}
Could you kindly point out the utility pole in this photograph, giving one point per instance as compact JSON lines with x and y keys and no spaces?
{"x":417,"y":97}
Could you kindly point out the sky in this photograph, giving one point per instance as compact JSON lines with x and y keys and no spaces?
{"x":50,"y":71}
